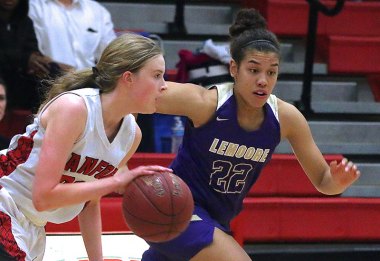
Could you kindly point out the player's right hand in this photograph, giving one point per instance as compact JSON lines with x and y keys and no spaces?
{"x":124,"y":175}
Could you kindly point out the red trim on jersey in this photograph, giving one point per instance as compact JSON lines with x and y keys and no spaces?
{"x":7,"y":239}
{"x":17,"y":156}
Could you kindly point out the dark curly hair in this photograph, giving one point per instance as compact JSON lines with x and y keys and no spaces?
{"x":249,"y":32}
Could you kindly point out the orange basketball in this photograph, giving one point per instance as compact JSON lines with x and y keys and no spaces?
{"x":157,"y":207}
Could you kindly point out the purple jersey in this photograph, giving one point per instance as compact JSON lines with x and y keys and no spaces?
{"x":220,"y":161}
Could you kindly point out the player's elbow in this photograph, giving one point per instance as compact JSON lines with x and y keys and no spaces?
{"x":40,"y":202}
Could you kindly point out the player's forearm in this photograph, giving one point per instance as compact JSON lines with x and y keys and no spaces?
{"x":73,"y":193}
{"x":91,"y":230}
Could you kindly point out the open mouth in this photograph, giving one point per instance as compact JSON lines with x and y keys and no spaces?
{"x":260,"y":93}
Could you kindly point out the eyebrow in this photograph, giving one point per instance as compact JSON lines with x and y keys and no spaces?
{"x":255,"y":62}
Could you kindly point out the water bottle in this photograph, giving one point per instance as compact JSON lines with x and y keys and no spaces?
{"x":177,"y":134}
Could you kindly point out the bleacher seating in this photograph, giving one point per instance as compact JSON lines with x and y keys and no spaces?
{"x":284,"y":177}
{"x":361,"y":54}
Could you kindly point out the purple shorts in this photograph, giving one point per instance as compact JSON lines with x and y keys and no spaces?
{"x":198,"y":235}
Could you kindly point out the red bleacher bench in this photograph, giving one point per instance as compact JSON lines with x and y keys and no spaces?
{"x":284,"y":176}
{"x":140,"y":159}
{"x":112,"y":219}
{"x":361,"y":54}
{"x":287,"y":219}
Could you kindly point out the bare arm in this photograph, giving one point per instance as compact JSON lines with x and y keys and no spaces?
{"x":193,"y":101}
{"x":91,"y":228}
{"x":333,"y":179}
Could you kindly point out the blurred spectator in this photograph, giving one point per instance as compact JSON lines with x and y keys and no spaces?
{"x":4,"y":142}
{"x":20,"y":61}
{"x":72,"y":32}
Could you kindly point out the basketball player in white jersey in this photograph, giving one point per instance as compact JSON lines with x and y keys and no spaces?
{"x":77,"y":147}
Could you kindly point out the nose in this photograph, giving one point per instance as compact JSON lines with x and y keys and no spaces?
{"x":163,"y":86}
{"x":262,"y":80}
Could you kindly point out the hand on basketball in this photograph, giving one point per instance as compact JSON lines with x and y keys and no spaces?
{"x":345,"y":173}
{"x":124,"y":175}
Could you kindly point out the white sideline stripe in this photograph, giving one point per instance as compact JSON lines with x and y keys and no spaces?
{"x":126,"y":247}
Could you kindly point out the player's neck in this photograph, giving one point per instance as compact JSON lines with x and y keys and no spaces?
{"x":66,"y":3}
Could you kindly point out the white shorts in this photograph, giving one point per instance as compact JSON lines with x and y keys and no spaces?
{"x":30,"y":239}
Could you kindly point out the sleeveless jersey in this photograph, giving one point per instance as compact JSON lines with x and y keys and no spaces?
{"x":220,"y":161}
{"x":93,"y":157}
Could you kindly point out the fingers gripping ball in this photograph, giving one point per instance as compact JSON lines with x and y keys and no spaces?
{"x":157,"y":207}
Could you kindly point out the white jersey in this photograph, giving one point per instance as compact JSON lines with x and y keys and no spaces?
{"x":93,"y":157}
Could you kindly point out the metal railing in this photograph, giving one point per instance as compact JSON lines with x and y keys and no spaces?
{"x":315,"y":6}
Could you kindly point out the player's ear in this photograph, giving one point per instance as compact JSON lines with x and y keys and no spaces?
{"x":233,"y":68}
{"x":127,"y":77}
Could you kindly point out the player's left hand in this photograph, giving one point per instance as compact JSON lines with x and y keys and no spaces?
{"x":345,"y":173}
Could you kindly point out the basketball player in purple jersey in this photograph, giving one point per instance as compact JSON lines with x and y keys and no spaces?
{"x":231,"y":134}
{"x":76,"y":149}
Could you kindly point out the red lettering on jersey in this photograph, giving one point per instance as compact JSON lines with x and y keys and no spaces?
{"x":108,"y":171}
{"x":101,"y":166}
{"x":72,"y":163}
{"x":88,"y":166}
{"x":67,"y":179}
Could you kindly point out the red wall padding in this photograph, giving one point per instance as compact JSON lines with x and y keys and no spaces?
{"x":360,"y":55}
{"x":112,"y":219}
{"x":284,"y":176}
{"x":281,"y":219}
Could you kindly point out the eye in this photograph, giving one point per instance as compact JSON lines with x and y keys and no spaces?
{"x":254,"y":70}
{"x":272,"y":73}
